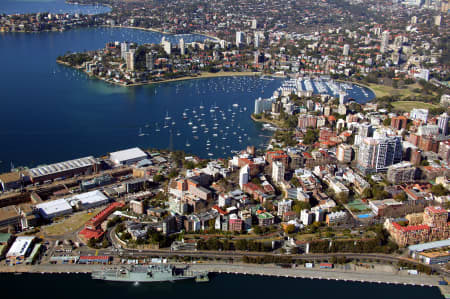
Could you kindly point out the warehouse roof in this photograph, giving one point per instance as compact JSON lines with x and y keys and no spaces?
{"x":61,"y":167}
{"x":88,"y":198}
{"x":429,"y":245}
{"x":134,"y":153}
{"x":20,"y":246}
{"x":54,"y":206}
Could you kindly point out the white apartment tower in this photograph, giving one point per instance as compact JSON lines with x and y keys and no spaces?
{"x":346,"y":50}
{"x":384,"y":41}
{"x":129,"y":59}
{"x":277,"y":172}
{"x":124,"y":48}
{"x":443,"y":123}
{"x":182,"y":47}
{"x":239,"y":38}
{"x":244,"y":175}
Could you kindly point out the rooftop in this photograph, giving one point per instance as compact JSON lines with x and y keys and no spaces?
{"x":62,"y":166}
{"x":20,"y":246}
{"x":128,"y":154}
{"x":429,"y":245}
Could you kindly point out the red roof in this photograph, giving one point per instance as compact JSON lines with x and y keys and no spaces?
{"x":218,"y":209}
{"x":92,"y":234}
{"x":410,"y":227}
{"x":437,"y":210}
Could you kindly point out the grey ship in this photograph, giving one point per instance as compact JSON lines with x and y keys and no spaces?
{"x":150,"y":273}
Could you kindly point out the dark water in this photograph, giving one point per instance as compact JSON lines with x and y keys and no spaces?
{"x":52,"y":6}
{"x":51,"y":113}
{"x":39,"y":286}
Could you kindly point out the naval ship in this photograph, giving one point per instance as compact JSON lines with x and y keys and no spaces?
{"x":150,"y":273}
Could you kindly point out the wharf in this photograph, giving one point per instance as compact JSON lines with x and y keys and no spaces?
{"x":370,"y":276}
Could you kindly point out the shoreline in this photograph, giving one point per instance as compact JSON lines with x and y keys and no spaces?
{"x":161,"y":31}
{"x":202,"y":75}
{"x":268,"y":270}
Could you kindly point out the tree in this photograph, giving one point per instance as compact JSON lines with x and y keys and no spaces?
{"x":300,"y":205}
{"x":310,"y":136}
{"x":289,"y":229}
{"x":439,"y":190}
{"x":342,"y":197}
{"x":401,"y":197}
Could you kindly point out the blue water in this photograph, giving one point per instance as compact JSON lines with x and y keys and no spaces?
{"x":239,"y":286}
{"x":52,"y":6}
{"x":51,"y":113}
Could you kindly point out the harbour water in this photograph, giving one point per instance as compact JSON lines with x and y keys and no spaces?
{"x":51,"y":6}
{"x":221,"y":286}
{"x":51,"y":112}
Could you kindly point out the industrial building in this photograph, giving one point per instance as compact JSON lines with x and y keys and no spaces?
{"x":54,"y":208}
{"x":128,"y":156}
{"x":63,"y":170}
{"x":19,"y":250}
{"x":88,"y":200}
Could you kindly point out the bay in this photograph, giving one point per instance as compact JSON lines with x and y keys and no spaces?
{"x":52,"y":113}
{"x":221,"y":286}
{"x":51,"y":6}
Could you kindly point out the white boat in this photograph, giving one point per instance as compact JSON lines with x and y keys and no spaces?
{"x":167,"y":116}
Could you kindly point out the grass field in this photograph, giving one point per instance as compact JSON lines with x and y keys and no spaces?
{"x":408,"y":105}
{"x":382,"y":90}
{"x":69,"y":225}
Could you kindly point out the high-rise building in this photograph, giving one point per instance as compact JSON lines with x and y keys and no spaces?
{"x":365,"y":130}
{"x":244,"y":175}
{"x":376,"y":154}
{"x":444,"y":151}
{"x":403,"y":172}
{"x":256,"y":40}
{"x":277,"y":172}
{"x":124,"y":48}
{"x":254,"y":24}
{"x":437,"y":20}
{"x":149,"y":61}
{"x":399,"y":122}
{"x":384,"y":41}
{"x":344,"y":153}
{"x":129,"y":59}
{"x":182,"y":46}
{"x":443,"y":123}
{"x":346,"y":50}
{"x":239,"y":38}
{"x":167,"y":46}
